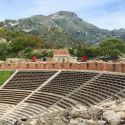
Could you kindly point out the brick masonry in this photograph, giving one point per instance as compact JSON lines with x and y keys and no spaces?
{"x":91,"y":65}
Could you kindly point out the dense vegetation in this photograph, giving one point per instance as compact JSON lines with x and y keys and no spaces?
{"x":109,"y":48}
{"x":18,"y":44}
{"x":4,"y":75}
{"x":22,"y":45}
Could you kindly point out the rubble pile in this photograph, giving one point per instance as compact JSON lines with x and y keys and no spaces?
{"x":106,"y":113}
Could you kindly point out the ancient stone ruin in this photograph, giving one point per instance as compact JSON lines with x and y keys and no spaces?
{"x":63,"y":97}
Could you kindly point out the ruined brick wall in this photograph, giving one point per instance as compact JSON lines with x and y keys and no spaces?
{"x":91,"y":65}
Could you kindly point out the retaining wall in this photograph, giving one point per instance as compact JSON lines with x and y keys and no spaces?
{"x":91,"y":65}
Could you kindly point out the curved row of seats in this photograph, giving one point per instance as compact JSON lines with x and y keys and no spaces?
{"x":43,"y":99}
{"x":105,"y":86}
{"x":12,"y":96}
{"x":67,"y":81}
{"x":47,"y":100}
{"x":40,"y":103}
{"x":64,"y":91}
{"x":5,"y":108}
{"x":28,"y":80}
{"x":119,"y":95}
{"x":26,"y":110}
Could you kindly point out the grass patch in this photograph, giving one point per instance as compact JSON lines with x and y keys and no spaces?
{"x":4,"y":75}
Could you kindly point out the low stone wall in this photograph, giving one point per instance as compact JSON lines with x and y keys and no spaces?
{"x":91,"y":65}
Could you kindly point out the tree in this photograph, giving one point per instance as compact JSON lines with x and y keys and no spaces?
{"x":112,"y":48}
{"x":79,"y":49}
{"x":26,"y":53}
{"x":50,"y":53}
{"x":5,"y":48}
{"x":21,"y":43}
{"x":91,"y":52}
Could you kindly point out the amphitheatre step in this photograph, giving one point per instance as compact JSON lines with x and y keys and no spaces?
{"x":57,"y":90}
{"x":9,"y":114}
{"x":28,"y":80}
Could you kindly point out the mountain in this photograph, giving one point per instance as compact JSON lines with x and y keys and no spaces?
{"x":59,"y":38}
{"x":62,"y":22}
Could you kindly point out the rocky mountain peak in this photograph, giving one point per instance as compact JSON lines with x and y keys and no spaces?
{"x":63,"y":14}
{"x":68,"y":21}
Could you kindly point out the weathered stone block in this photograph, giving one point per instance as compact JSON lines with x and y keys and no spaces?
{"x":75,"y":66}
{"x":66,"y":65}
{"x":83,"y":66}
{"x":118,"y":67}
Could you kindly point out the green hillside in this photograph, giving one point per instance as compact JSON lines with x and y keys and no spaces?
{"x":58,"y":38}
{"x":68,"y":21}
{"x":16,"y":44}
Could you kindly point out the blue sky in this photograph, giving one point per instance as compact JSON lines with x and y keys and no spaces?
{"x":108,"y":14}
